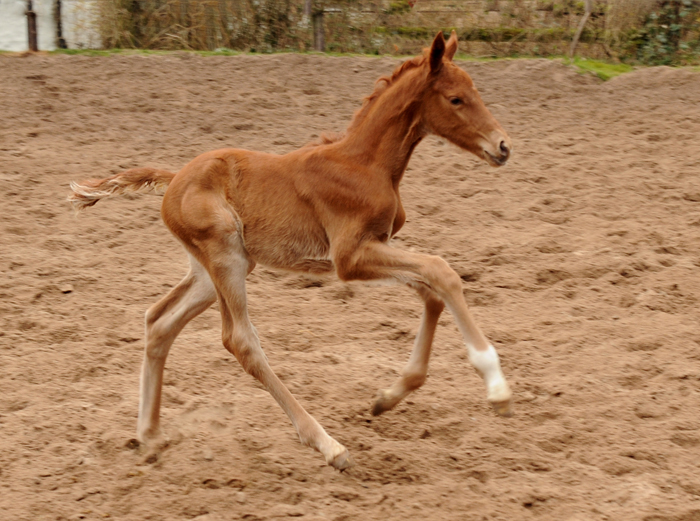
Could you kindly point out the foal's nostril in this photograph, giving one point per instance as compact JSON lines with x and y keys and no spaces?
{"x":505,"y":151}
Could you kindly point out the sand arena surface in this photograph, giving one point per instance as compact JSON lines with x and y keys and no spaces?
{"x":580,"y":260}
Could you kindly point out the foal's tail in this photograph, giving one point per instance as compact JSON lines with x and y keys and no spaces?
{"x":141,"y":180}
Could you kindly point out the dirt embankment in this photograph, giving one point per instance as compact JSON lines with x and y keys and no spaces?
{"x":580,"y":260}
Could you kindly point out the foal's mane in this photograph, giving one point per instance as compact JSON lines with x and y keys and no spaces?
{"x":380,"y":86}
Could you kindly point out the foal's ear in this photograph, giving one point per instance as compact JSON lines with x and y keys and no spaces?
{"x":451,"y":46}
{"x":437,"y":51}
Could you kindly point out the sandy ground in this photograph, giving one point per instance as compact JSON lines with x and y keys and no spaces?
{"x":580,"y":259}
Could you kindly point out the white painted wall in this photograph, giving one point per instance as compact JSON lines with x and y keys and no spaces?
{"x":78,"y":24}
{"x":13,"y":25}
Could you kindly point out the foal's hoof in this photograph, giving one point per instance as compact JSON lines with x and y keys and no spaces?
{"x":342,"y":461}
{"x":384,"y":402}
{"x":503,"y":408}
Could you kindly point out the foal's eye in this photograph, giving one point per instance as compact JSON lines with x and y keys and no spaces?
{"x":455,"y":101}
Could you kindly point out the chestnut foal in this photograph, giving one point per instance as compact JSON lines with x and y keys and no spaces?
{"x":328,"y":207}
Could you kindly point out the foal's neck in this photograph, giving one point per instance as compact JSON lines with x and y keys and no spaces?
{"x":385,"y":138}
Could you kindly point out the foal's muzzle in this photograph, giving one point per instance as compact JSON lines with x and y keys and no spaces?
{"x":498,"y":157}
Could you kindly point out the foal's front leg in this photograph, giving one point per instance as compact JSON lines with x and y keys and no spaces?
{"x":415,"y":372}
{"x":373,"y":260}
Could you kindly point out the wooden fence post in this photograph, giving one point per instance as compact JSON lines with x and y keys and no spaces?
{"x":319,"y":36}
{"x":31,"y":27}
{"x":60,"y":40}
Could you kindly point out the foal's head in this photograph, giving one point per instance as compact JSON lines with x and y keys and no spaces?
{"x":453,"y":109}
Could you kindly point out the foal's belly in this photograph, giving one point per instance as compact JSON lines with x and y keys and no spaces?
{"x":297,"y":247}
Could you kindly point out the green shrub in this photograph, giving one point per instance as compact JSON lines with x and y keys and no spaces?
{"x":670,"y":34}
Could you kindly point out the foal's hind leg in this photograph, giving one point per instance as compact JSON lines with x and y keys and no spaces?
{"x":164,"y":321}
{"x":416,"y":371}
{"x":228,"y":264}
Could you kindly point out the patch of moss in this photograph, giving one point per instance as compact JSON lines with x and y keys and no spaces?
{"x":603,"y":70}
{"x":398,"y":7}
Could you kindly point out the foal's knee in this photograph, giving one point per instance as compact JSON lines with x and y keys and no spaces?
{"x":442,"y":277}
